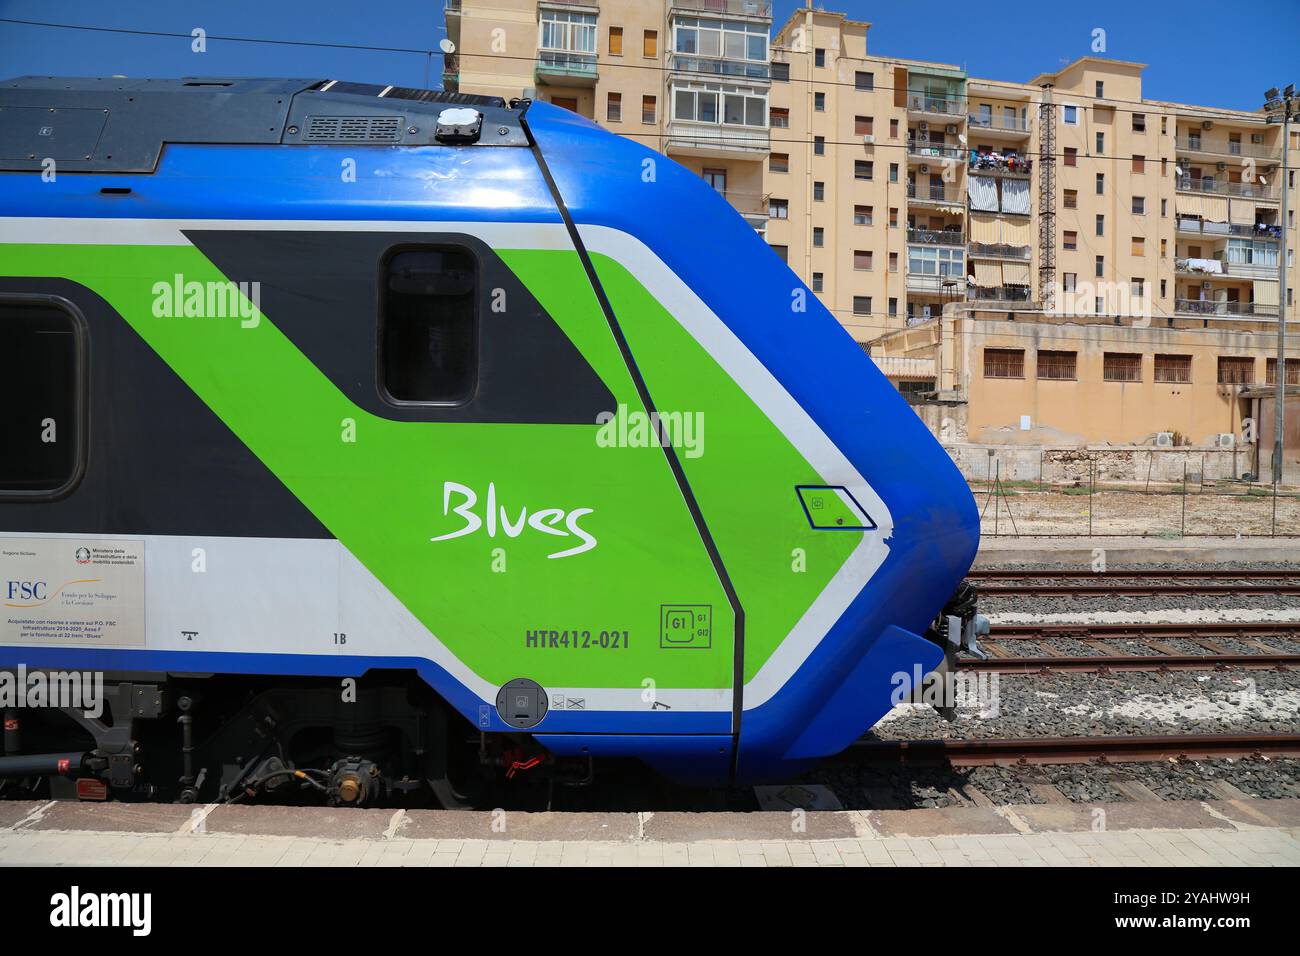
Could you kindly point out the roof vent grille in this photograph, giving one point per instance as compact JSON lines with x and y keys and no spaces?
{"x":353,"y":129}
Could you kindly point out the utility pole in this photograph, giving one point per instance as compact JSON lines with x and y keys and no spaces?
{"x":1284,"y":103}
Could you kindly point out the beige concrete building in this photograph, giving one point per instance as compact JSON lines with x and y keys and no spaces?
{"x":1052,"y":261}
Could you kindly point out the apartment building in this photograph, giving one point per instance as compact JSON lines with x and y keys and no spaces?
{"x":1066,"y":207}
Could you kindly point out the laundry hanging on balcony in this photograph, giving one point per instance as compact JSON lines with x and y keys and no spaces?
{"x":983,"y":192}
{"x":1015,"y":196}
{"x":1208,"y":266}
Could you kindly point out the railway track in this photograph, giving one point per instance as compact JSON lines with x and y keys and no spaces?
{"x":975,"y":752}
{"x":1144,"y":582}
{"x":1103,"y":639}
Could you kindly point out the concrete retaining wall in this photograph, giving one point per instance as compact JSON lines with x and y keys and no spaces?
{"x":1113,"y":463}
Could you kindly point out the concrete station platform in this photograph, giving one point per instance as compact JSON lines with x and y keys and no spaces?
{"x":1122,"y":552}
{"x":1219,"y":833}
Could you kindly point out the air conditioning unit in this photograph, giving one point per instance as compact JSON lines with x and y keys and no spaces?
{"x":1207,"y":284}
{"x":923,"y":126}
{"x":868,"y":139}
{"x":1257,"y":138}
{"x":1207,"y":125}
{"x":1221,"y":167}
{"x":925,"y":168}
{"x":1226,"y":440}
{"x":950,"y":129}
{"x":1164,"y":439}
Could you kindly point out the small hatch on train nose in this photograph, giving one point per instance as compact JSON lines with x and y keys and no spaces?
{"x":833,"y":508}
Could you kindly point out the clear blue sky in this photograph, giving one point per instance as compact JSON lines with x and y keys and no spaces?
{"x":1211,"y":53}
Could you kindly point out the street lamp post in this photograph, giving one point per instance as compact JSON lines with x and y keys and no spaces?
{"x":1280,"y":106}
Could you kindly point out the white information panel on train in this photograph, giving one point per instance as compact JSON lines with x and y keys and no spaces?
{"x":71,"y":591}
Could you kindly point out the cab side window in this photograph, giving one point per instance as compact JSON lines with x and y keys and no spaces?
{"x":42,"y":375}
{"x":428,"y":335}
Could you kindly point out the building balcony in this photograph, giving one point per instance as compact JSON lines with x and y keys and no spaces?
{"x":1195,"y":145}
{"x":1229,"y":268}
{"x":1220,"y":187}
{"x":1008,"y":166}
{"x":581,"y":6}
{"x":949,"y":286}
{"x":935,"y":196}
{"x":1005,"y":293}
{"x":999,"y":127}
{"x":1223,"y":230}
{"x":935,"y":237}
{"x":997,"y":250}
{"x":947,"y":108}
{"x":1224,"y":309}
{"x":761,"y":9}
{"x":922,"y":152}
{"x":712,"y":141}
{"x":562,"y":68}
{"x":687,"y":65}
{"x":451,"y":7}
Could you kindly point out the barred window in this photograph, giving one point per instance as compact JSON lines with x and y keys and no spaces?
{"x":1235,"y":370}
{"x":1060,"y":366}
{"x":1176,"y":369}
{"x":1292,"y":371}
{"x":1004,"y":363}
{"x":1121,"y":367}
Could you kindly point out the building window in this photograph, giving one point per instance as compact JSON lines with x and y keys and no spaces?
{"x":614,"y":108}
{"x":817,"y":282}
{"x":1139,"y":163}
{"x":43,"y":387}
{"x":1068,"y":281}
{"x":819,"y":102}
{"x":1101,"y":266}
{"x":1098,"y":305}
{"x":1101,"y":90}
{"x":893,"y":129}
{"x":862,"y":305}
{"x":1235,"y":370}
{"x":1173,"y":369}
{"x":1101,"y":184}
{"x":1121,"y":367}
{"x":1139,"y":246}
{"x":1137,"y":287}
{"x":863,"y":169}
{"x":893,"y":262}
{"x":650,"y":43}
{"x":778,"y":208}
{"x":1163,"y":293}
{"x":1004,"y":363}
{"x":1292,"y":372}
{"x":778,"y":163}
{"x":819,"y":57}
{"x":1164,"y":208}
{"x":615,"y":41}
{"x":819,"y":237}
{"x":565,"y":31}
{"x":780,"y":72}
{"x":893,"y":217}
{"x":427,"y":326}
{"x":1139,"y":122}
{"x":1101,"y":143}
{"x":1072,"y":199}
{"x":1101,"y":224}
{"x":1071,"y":156}
{"x":893,"y":172}
{"x":1139,"y":205}
{"x":782,"y":252}
{"x":893,"y":306}
{"x":863,"y":125}
{"x":1070,"y":239}
{"x":862,"y":259}
{"x":863,"y":80}
{"x":1057,"y":366}
{"x":819,"y":145}
{"x":1070,"y":115}
{"x":862,"y":215}
{"x":819,"y":191}
{"x":778,"y":117}
{"x":649,"y":105}
{"x":699,"y":103}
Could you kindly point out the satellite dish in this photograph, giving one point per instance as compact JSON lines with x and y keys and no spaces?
{"x":446,"y":46}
